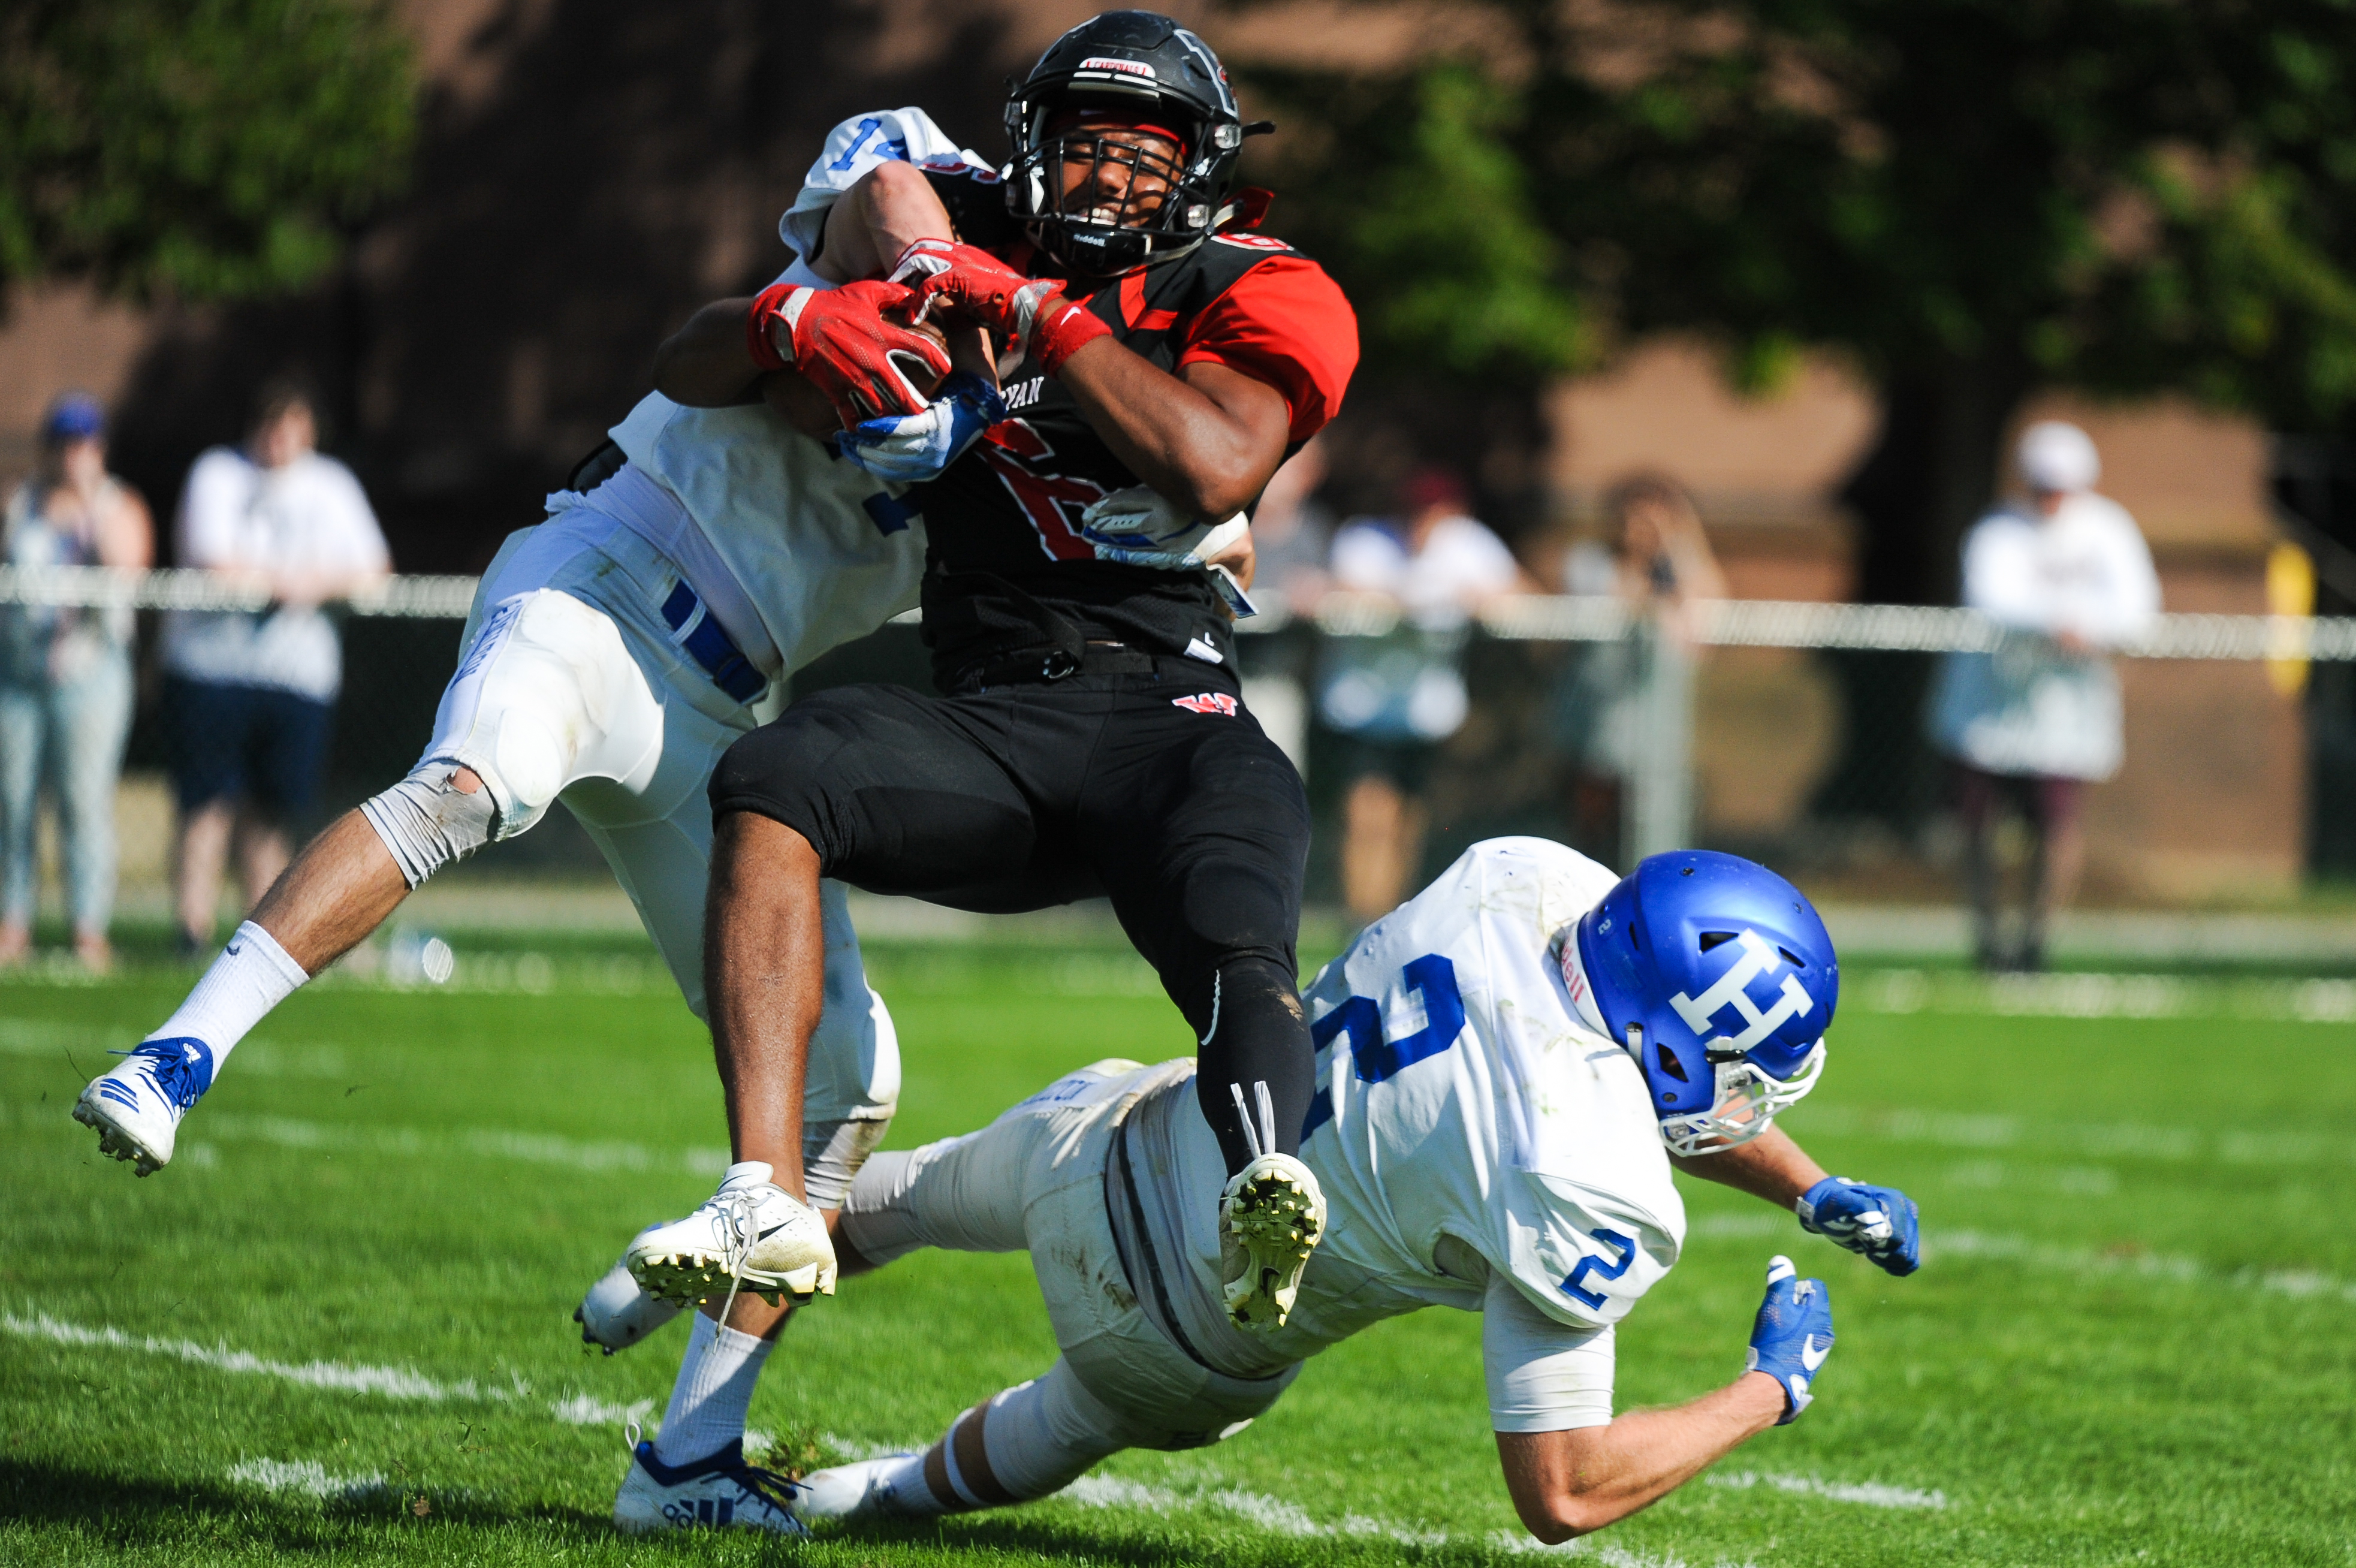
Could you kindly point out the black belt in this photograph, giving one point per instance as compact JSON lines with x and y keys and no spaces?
{"x":1034,"y":666}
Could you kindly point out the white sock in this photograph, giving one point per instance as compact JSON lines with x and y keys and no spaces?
{"x":714,"y":1392}
{"x":253,"y":975}
{"x":911,"y":1492}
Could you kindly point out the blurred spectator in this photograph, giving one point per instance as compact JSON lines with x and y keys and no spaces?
{"x":1393,"y":699}
{"x":65,"y":679}
{"x":1291,"y":532}
{"x":248,"y":694}
{"x":2067,"y":574}
{"x":1624,"y":710}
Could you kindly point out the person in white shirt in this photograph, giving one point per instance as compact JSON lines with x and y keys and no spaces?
{"x":1493,"y":1134}
{"x":1390,"y":701}
{"x":2067,"y":577}
{"x":248,"y":695}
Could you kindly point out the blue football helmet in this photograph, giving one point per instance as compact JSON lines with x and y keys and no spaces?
{"x":1719,"y":977}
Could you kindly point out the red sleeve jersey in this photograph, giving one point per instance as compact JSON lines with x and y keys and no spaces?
{"x":1286,"y":324}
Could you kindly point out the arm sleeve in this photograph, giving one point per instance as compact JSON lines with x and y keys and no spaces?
{"x":2132,"y":587}
{"x":1365,"y":558}
{"x":1285,"y":324}
{"x":363,"y":536}
{"x":2000,"y":576}
{"x":1543,"y":1376}
{"x":210,"y":505}
{"x":854,"y":148}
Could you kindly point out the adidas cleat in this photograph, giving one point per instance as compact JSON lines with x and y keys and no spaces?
{"x":1270,"y":1219}
{"x":617,"y":1314}
{"x":751,"y":1235}
{"x":721,"y":1491}
{"x":136,"y":1107}
{"x":866,"y":1489}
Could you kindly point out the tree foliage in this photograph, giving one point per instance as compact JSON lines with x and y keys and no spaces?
{"x":1968,"y":198}
{"x":208,"y":147}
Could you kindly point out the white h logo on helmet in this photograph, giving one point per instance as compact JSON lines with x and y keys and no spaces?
{"x":1733,"y":987}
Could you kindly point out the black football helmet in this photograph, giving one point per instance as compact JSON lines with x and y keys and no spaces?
{"x":1142,"y":65}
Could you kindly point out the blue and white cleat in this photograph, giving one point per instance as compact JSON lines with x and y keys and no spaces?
{"x":865,"y":1489}
{"x":720,"y":1491}
{"x":137,"y":1106}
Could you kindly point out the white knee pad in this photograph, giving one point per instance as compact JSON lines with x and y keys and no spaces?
{"x":547,"y":695}
{"x":1042,"y":1436}
{"x":426,"y":821}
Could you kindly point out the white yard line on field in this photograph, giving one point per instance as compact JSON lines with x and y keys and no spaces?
{"x":304,"y":1477}
{"x":340,"y":1376}
{"x":360,"y":1137}
{"x":1872,"y":1494}
{"x":309,"y":1479}
{"x":2172,"y":1267}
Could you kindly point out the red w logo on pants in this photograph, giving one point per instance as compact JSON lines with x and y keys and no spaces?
{"x":1207,"y":703}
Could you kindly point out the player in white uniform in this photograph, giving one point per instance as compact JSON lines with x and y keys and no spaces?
{"x":615,"y":651}
{"x":1487,"y":1139}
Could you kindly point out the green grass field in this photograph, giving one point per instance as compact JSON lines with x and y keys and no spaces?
{"x":337,"y":1328}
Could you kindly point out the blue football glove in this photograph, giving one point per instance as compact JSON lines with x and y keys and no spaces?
{"x":1793,"y":1335}
{"x":1879,"y":1221}
{"x":910,"y":448}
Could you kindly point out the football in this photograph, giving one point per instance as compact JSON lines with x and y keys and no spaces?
{"x":916,"y":370}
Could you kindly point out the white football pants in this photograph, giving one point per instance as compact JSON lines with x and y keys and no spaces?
{"x":572,"y":688}
{"x":1034,"y":1180}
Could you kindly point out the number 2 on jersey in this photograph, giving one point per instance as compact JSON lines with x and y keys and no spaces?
{"x":1360,"y":1021}
{"x":1592,"y":1265}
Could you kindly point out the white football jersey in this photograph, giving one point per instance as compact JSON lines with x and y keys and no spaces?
{"x":820,"y":551}
{"x":1479,"y":1147}
{"x":1460,"y":1098}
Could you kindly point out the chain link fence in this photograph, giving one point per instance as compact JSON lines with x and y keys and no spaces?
{"x":1794,"y":732}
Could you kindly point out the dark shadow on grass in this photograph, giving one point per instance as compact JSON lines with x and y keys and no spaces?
{"x":133,"y":1510}
{"x":1163,"y":1540}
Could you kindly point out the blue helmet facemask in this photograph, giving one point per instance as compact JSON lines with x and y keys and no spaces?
{"x":1718,"y":976}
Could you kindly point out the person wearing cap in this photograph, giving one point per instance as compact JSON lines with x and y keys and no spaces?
{"x":2066,"y":575}
{"x":65,"y":678}
{"x":1392,"y":699}
{"x":248,"y":694}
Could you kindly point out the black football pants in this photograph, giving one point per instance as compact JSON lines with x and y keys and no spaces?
{"x":1154,"y":788}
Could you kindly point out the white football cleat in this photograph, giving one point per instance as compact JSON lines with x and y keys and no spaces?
{"x":721,"y":1491}
{"x":750,"y":1235}
{"x":136,"y":1106}
{"x":866,"y":1489}
{"x":617,"y":1314}
{"x":1271,"y":1217}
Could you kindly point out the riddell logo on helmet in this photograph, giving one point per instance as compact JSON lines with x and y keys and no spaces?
{"x":1126,"y":67}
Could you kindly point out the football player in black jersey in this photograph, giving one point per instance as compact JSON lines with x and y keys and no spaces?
{"x":1159,"y":359}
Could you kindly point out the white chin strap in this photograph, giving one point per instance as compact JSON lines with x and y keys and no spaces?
{"x":1748,"y":1103}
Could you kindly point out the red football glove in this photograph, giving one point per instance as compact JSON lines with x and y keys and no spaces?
{"x":840,"y":342}
{"x":986,"y":291}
